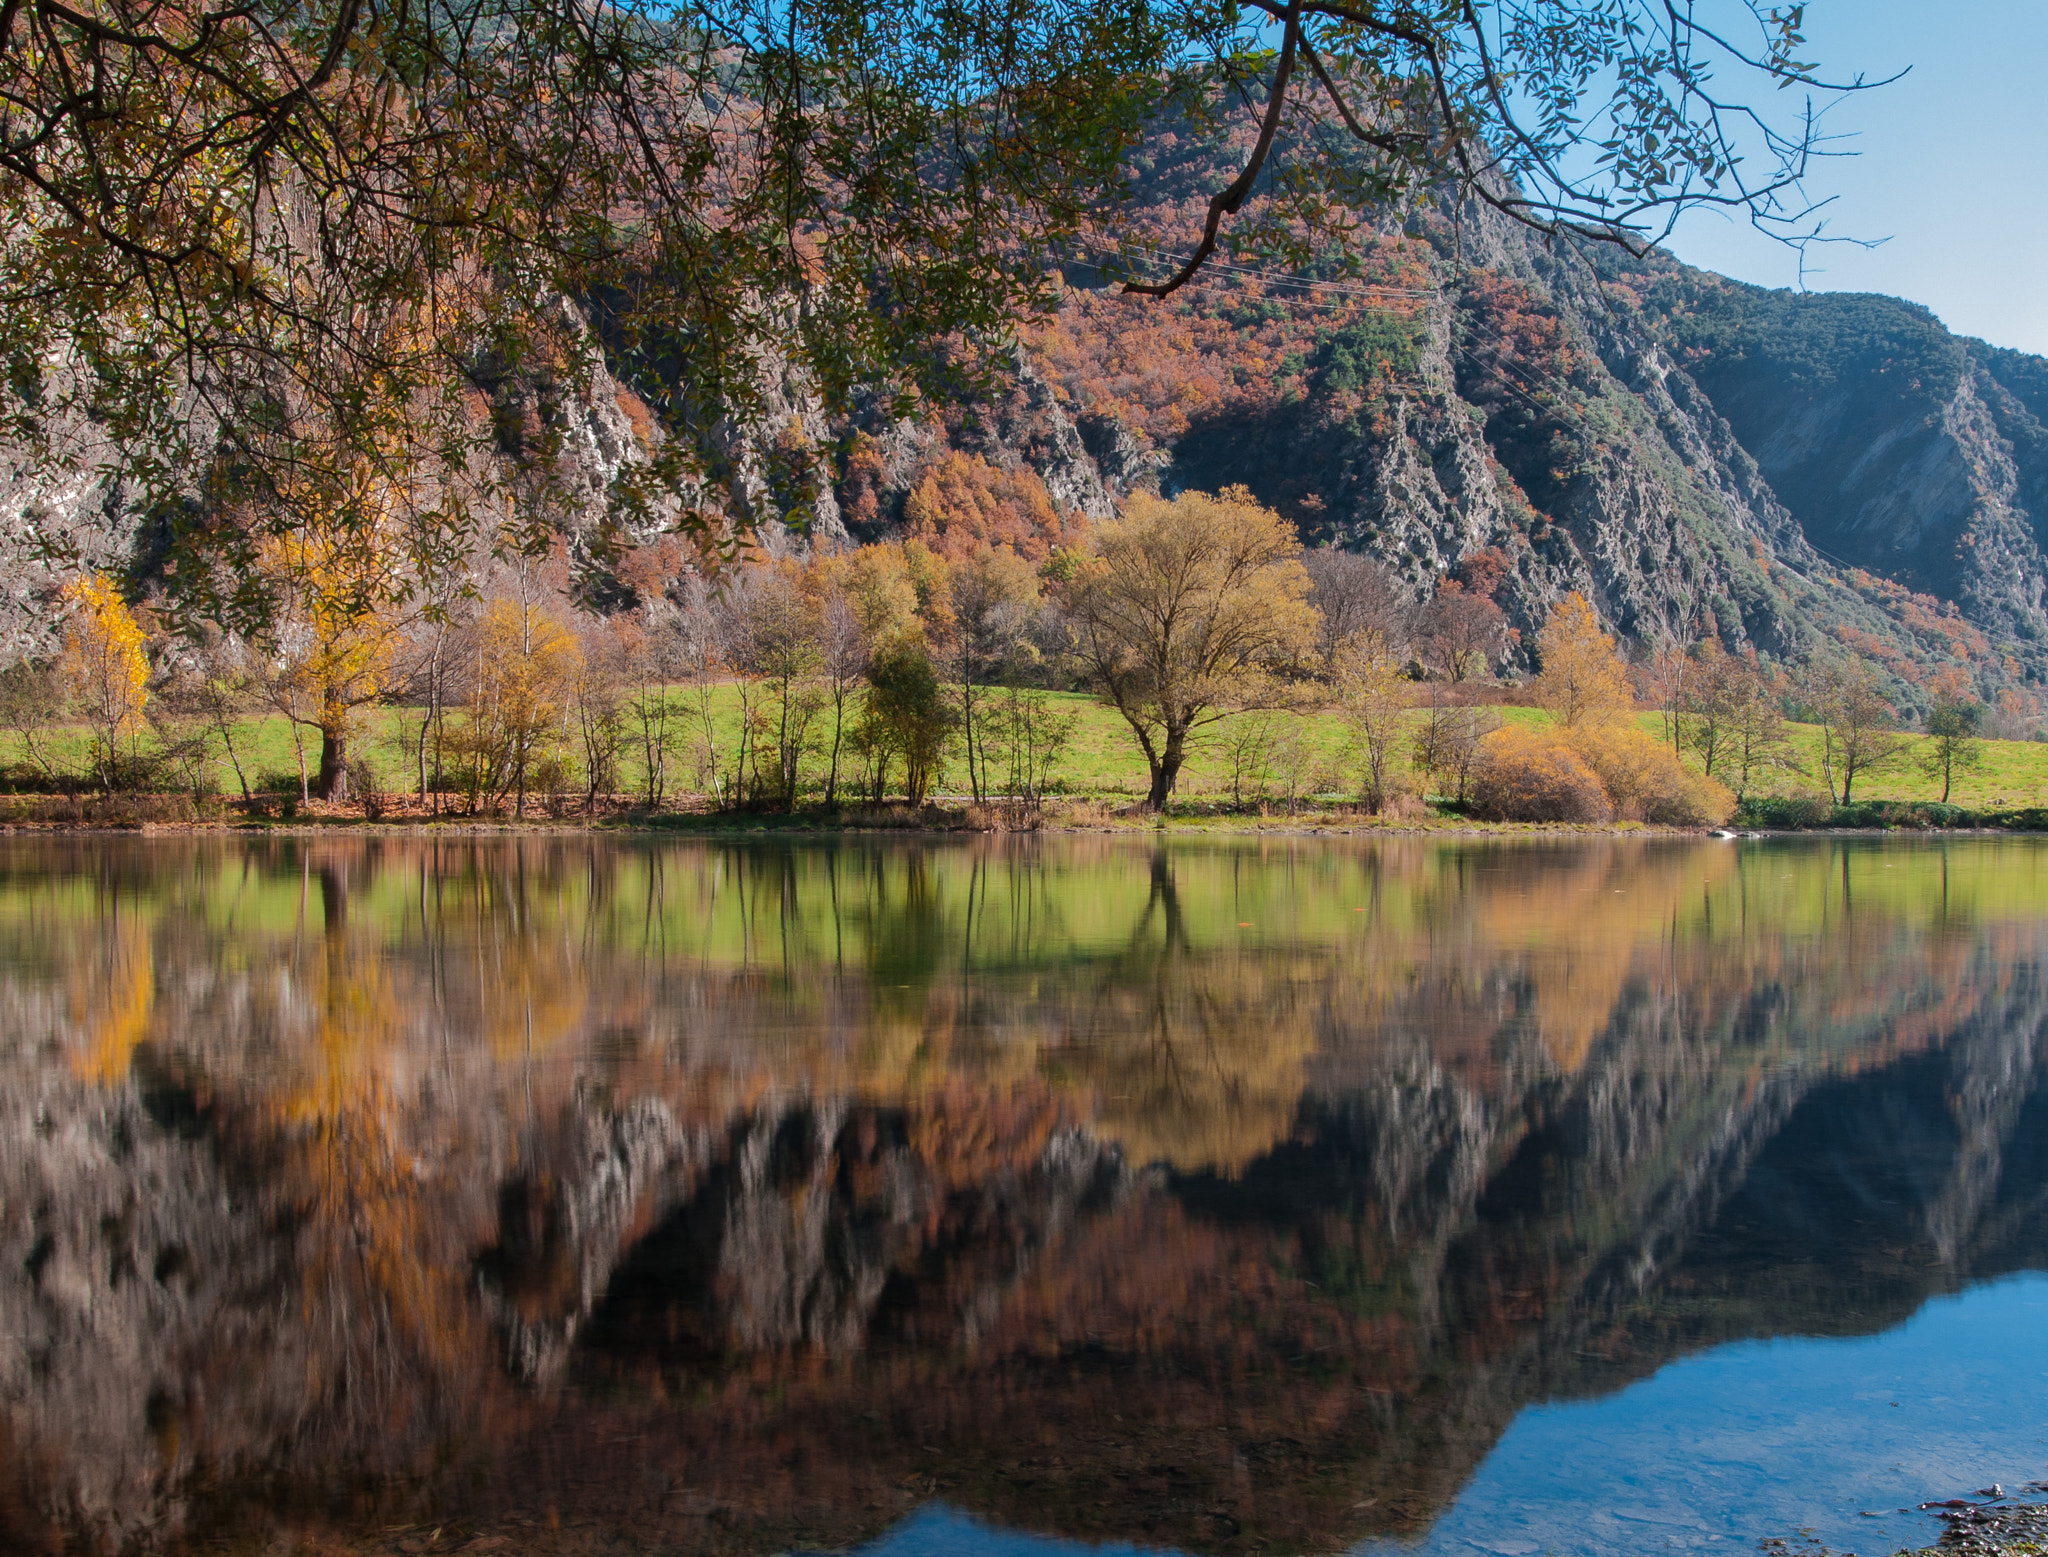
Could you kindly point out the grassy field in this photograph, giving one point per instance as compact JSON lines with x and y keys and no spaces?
{"x":1103,"y":761}
{"x":2013,"y":773}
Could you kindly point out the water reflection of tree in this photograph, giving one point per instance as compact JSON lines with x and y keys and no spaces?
{"x":1195,"y":1058}
{"x":1428,"y":1110}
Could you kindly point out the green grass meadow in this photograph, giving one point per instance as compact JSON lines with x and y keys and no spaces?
{"x":1102,"y":760}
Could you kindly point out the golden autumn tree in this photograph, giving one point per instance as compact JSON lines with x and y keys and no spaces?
{"x":1181,"y":609}
{"x":1582,"y":681}
{"x":524,"y":664}
{"x":879,"y":591}
{"x":336,"y":636}
{"x":104,"y":670}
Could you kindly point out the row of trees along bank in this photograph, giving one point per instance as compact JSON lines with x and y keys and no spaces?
{"x":861,"y":675}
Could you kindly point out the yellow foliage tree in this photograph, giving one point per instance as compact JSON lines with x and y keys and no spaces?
{"x":104,"y":670}
{"x":1181,"y":609}
{"x":525,"y":675}
{"x":881,"y":589}
{"x":1583,"y":681}
{"x":335,"y":641}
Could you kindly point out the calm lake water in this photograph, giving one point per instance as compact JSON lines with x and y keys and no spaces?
{"x":1017,"y":1196}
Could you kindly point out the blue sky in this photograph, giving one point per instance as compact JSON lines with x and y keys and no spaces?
{"x":1951,"y":167}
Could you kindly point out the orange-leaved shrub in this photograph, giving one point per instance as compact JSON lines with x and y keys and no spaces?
{"x":1596,"y":773}
{"x":1534,"y":776}
{"x":1646,"y":781}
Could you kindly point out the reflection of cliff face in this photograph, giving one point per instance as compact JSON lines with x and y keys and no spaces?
{"x":1208,"y":1197}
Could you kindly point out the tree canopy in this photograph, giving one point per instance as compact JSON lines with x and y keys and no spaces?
{"x":1182,"y":611}
{"x":266,"y":245}
{"x":1582,"y":680}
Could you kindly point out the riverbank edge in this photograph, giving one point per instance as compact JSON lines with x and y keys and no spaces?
{"x":800,"y":828}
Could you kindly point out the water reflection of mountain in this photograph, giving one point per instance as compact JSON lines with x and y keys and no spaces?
{"x":728,"y":1199}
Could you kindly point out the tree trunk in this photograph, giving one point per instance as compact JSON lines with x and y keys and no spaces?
{"x":1166,"y":771}
{"x":332,"y":781}
{"x":227,"y":739}
{"x":785,"y":759}
{"x":838,"y":729}
{"x":431,"y":721}
{"x":976,"y":780}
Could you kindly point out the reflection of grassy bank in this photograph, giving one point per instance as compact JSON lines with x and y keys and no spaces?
{"x":913,"y":924}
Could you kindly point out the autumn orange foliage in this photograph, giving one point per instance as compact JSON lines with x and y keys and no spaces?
{"x":1532,"y":776}
{"x":1594,"y":773}
{"x":1645,"y":780}
{"x":963,"y":505}
{"x":1223,"y":347}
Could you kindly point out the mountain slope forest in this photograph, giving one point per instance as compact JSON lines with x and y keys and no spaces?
{"x":1791,"y":473}
{"x":1466,"y":401}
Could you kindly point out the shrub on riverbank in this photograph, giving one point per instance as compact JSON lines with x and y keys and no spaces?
{"x":80,"y":810}
{"x":1647,"y":782}
{"x":1597,"y":774}
{"x":1527,"y":775}
{"x":1799,"y":813}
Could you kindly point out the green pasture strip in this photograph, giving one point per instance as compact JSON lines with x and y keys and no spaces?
{"x":1103,"y":760}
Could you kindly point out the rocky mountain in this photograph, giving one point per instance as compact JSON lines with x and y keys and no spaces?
{"x":1786,"y":471}
{"x":1900,"y":449}
{"x":1790,"y":472}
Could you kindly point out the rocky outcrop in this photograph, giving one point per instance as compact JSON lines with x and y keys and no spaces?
{"x":1689,"y":453}
{"x":1896,"y":447}
{"x":64,"y":507}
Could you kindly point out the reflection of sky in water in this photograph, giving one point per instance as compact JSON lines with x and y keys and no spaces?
{"x":934,"y":1531}
{"x":816,"y":1175}
{"x":1716,"y":1451}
